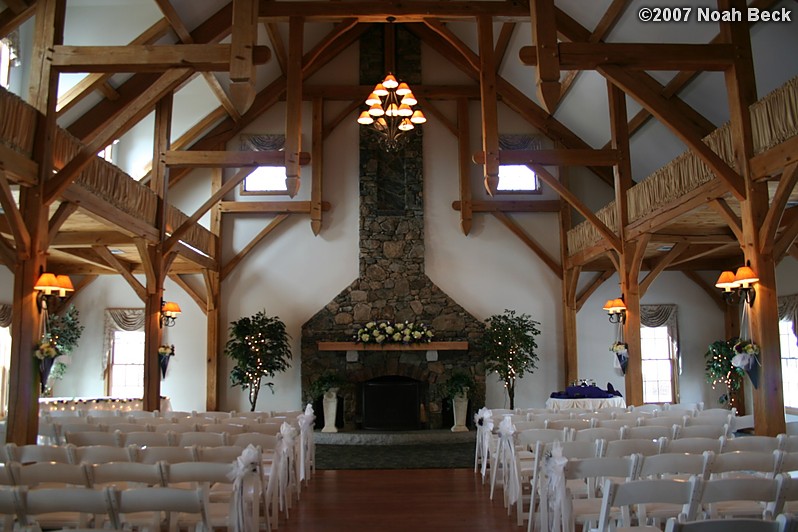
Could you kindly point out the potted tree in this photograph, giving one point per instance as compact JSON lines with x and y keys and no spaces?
{"x":720,"y":372}
{"x":460,"y":387}
{"x":509,"y":347}
{"x":326,"y":388}
{"x":259,"y":346}
{"x":64,"y":331}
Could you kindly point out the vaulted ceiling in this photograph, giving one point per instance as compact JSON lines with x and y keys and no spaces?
{"x":148,"y":48}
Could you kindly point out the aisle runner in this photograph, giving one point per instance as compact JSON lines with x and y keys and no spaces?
{"x":415,"y":456}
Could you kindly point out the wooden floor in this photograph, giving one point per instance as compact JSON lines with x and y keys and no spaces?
{"x":414,"y":500}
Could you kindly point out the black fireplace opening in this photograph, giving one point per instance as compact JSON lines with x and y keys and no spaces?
{"x":392,"y":402}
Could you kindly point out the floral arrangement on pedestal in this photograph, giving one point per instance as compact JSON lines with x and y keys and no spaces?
{"x":386,"y":332}
{"x":165,"y":352}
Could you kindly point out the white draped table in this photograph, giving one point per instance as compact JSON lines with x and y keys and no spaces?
{"x":582,"y":402}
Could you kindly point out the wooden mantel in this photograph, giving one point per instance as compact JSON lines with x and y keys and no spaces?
{"x":429,"y":346}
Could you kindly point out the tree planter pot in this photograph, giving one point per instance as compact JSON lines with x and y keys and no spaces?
{"x":460,"y":404}
{"x":330,"y":403}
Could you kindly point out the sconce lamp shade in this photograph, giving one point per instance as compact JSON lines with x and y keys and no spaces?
{"x":726,"y":281}
{"x":744,"y":277}
{"x":619,"y":305}
{"x":170,"y":309}
{"x":50,"y":283}
{"x":608,"y":306}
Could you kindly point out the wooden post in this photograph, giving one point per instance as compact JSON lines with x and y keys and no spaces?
{"x":487,"y":91}
{"x":764,"y":316}
{"x":293,"y":105}
{"x":213,"y":297}
{"x":631,"y":255}
{"x":570,"y":280}
{"x":23,"y":413}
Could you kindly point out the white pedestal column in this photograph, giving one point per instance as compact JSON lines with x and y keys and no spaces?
{"x":460,"y":404}
{"x":330,"y":403}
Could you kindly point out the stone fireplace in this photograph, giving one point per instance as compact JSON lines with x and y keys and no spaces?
{"x":392,"y":286}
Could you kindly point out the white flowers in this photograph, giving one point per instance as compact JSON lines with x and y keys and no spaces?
{"x":168,"y":350}
{"x":397,"y":333}
{"x":619,"y":347}
{"x":46,"y":349}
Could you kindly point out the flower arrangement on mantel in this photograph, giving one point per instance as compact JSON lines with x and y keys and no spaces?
{"x":386,"y":332}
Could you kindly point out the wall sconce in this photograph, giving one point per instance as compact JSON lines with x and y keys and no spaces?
{"x":616,"y":309}
{"x":169,"y":312}
{"x":738,"y":284}
{"x":50,"y":284}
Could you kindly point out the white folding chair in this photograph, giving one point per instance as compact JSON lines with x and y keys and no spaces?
{"x":617,"y":448}
{"x":693,"y":445}
{"x":639,"y":496}
{"x":154,"y":508}
{"x":37,"y":453}
{"x":740,"y":497}
{"x":99,"y":454}
{"x":788,"y":442}
{"x":781,"y":524}
{"x":759,"y":444}
{"x":700,"y":431}
{"x":206,"y":439}
{"x":124,"y":475}
{"x":82,"y":439}
{"x":145,"y":439}
{"x":652,"y":432}
{"x":66,"y":507}
{"x":597,"y":433}
{"x":745,"y":464}
{"x":171,"y":455}
{"x":676,"y":465}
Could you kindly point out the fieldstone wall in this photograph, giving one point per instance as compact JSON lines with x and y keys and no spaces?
{"x":392,"y":284}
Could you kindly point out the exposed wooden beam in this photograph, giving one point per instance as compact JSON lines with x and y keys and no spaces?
{"x":122,"y":269}
{"x":785,"y":240}
{"x":278,"y":47}
{"x":317,"y":171}
{"x":489,"y":105}
{"x":146,"y":256}
{"x":547,"y":56}
{"x":293,"y":106}
{"x":62,"y":213}
{"x":136,"y":110}
{"x":767,"y":233}
{"x":556,"y":157}
{"x":88,"y":239}
{"x":636,"y":56}
{"x":18,"y":167}
{"x":775,"y":159}
{"x":99,"y":82}
{"x":432,"y":110}
{"x":274,"y":207}
{"x":502,"y":43}
{"x":188,"y":289}
{"x":231,"y":265}
{"x":577,"y":204}
{"x":148,"y":58}
{"x":661,"y":264}
{"x":711,"y":291}
{"x":402,"y":11}
{"x":243,"y":43}
{"x":228,"y":159}
{"x":597,"y":281}
{"x":510,"y":206}
{"x":721,"y":206}
{"x":19,"y":231}
{"x":11,"y":20}
{"x":228,"y":186}
{"x":531,"y":243}
{"x":88,"y":256}
{"x":464,"y":166}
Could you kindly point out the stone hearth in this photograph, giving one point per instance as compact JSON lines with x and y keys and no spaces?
{"x":392,"y":284}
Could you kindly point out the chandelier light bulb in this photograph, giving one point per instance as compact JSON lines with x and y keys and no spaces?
{"x":390,"y":112}
{"x":403,"y":89}
{"x":372,"y":99}
{"x":376,"y":110}
{"x":408,"y":98}
{"x":380,"y":90}
{"x":418,"y":117}
{"x":365,"y":119}
{"x":406,"y":125}
{"x":390,"y":82}
{"x":405,"y":110}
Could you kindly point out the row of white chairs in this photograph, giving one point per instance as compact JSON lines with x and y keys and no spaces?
{"x":148,"y":508}
{"x":713,"y":475}
{"x":97,"y":467}
{"x":782,"y":523}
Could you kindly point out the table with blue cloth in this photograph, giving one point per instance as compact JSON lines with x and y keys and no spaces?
{"x":585,"y":397}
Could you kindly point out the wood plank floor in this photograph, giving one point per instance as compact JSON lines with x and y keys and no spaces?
{"x":415,"y":500}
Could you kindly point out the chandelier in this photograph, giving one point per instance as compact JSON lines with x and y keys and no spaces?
{"x":390,"y":113}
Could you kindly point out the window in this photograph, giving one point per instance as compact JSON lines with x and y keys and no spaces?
{"x":7,"y":59}
{"x":266,"y":180}
{"x":126,"y":378}
{"x":109,"y":152}
{"x":789,"y":363}
{"x":5,"y":363}
{"x":517,"y":179}
{"x":658,"y":365}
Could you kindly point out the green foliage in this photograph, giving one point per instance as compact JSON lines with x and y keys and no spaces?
{"x":509,"y":347}
{"x":65,"y":332}
{"x":459,"y":383}
{"x":259,"y":346}
{"x":320,"y":386}
{"x":719,"y":369}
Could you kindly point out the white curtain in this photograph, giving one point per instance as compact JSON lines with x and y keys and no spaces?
{"x":663,"y":315}
{"x":271,"y":142}
{"x":119,"y":319}
{"x":788,"y":310}
{"x":5,"y":315}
